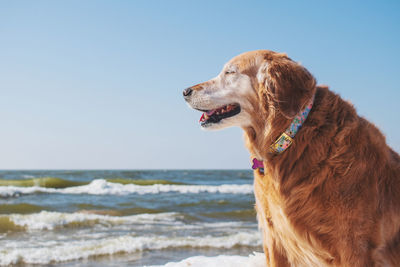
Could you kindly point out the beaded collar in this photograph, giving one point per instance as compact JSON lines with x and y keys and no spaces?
{"x":286,"y":138}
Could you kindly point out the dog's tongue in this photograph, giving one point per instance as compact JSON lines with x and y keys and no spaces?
{"x":201,"y":118}
{"x":206,"y":115}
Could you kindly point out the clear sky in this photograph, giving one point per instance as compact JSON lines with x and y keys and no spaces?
{"x":98,"y":84}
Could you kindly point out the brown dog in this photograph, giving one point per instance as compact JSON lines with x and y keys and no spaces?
{"x":332,"y":198}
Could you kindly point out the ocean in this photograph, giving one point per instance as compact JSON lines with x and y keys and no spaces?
{"x":128,"y":218}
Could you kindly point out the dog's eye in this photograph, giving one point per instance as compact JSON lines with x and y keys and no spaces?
{"x":229,"y":72}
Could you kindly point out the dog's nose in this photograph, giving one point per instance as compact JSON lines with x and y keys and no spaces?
{"x":187,"y":91}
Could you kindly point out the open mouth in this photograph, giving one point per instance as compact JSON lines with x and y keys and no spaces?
{"x":216,"y":115}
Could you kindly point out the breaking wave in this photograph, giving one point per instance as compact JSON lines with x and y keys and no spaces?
{"x":104,"y":187}
{"x":50,"y":252}
{"x":55,"y":182}
{"x":47,"y":220}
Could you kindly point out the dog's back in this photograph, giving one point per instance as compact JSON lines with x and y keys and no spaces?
{"x":333,"y":197}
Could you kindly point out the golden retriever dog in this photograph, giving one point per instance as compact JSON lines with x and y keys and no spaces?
{"x":328,"y":193}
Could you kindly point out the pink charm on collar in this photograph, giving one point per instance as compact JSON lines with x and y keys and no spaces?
{"x":257,"y":164}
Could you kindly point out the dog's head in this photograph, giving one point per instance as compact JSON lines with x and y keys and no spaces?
{"x":254,"y":84}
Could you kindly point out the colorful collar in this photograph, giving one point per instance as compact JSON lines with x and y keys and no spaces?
{"x":286,"y":138}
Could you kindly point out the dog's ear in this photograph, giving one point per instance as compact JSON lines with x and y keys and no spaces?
{"x":285,"y":85}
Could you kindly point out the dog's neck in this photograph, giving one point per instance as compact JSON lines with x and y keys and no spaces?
{"x":263,"y":137}
{"x":286,"y":138}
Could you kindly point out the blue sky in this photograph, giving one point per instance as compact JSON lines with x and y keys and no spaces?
{"x":97,"y":84}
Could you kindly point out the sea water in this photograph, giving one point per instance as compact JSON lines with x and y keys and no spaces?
{"x":129,"y":218}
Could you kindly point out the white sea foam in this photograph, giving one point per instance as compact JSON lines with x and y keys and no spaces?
{"x":46,"y":252}
{"x":46,"y":220}
{"x":103,"y":187}
{"x":49,"y":220}
{"x":254,"y":260}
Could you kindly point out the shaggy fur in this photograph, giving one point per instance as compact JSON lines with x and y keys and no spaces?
{"x":333,"y":197}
